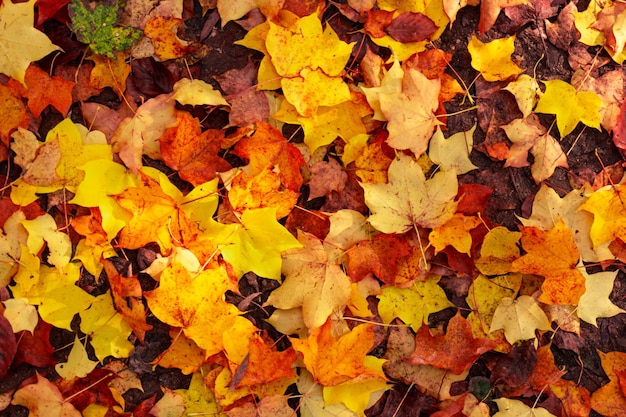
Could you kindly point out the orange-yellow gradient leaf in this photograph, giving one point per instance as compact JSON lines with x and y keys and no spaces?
{"x":261,"y":190}
{"x":490,"y":9}
{"x":335,"y":360}
{"x":156,"y":218}
{"x":554,"y":256}
{"x":196,"y":304}
{"x":191,"y":152}
{"x":265,"y":364}
{"x":162,"y":32}
{"x":456,"y":350}
{"x":267,"y":146}
{"x":609,"y":400}
{"x":110,"y":72}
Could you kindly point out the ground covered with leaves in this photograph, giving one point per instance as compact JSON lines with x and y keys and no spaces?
{"x":313,"y":208}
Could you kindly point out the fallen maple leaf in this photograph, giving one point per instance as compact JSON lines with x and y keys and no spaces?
{"x":411,"y":27}
{"x":8,"y":345}
{"x":43,"y":399}
{"x":519,"y":318}
{"x":335,"y":360}
{"x":455,"y":233}
{"x":570,"y":106}
{"x":493,"y":59}
{"x":516,"y":408}
{"x":193,"y":153}
{"x":554,"y":256}
{"x":452,"y":154}
{"x":196,"y":304}
{"x":409,"y":200}
{"x":44,"y":90}
{"x":528,"y":134}
{"x":265,"y":364}
{"x":609,"y":214}
{"x":611,"y":21}
{"x":498,"y":251}
{"x":312,"y":281}
{"x":595,"y":302}
{"x":380,"y":256}
{"x":413,"y":305}
{"x":456,"y":350}
{"x":78,"y":364}
{"x":16,"y":20}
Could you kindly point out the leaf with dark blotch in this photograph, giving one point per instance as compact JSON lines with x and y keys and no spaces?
{"x":411,"y":27}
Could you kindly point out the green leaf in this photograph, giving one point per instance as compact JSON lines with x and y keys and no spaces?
{"x":98,"y":28}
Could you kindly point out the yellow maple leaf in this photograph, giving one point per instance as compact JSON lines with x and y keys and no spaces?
{"x":498,"y":251}
{"x":453,"y":153}
{"x":43,"y":399}
{"x":493,"y":59}
{"x":16,"y":21}
{"x":312,"y":281}
{"x":484,"y":296}
{"x":413,"y":305}
{"x":196,"y":304}
{"x":609,"y":214}
{"x":310,"y":61}
{"x":570,"y":106}
{"x":197,"y":92}
{"x":516,"y":408}
{"x":455,"y":232}
{"x":78,"y":364}
{"x":409,"y":200}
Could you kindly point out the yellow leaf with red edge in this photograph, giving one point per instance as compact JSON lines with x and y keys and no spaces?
{"x":570,"y":106}
{"x":455,"y":232}
{"x":191,"y":152}
{"x":493,"y":59}
{"x":265,"y":364}
{"x":43,"y":399}
{"x":310,"y":60}
{"x":335,"y":360}
{"x":553,"y":255}
{"x":267,"y":146}
{"x":312,"y":281}
{"x":21,"y":43}
{"x":157,"y":217}
{"x":44,"y":90}
{"x":456,"y":350}
{"x":609,"y":400}
{"x":196,"y":304}
{"x":609,"y":214}
{"x":259,"y":191}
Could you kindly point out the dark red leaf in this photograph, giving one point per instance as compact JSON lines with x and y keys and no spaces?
{"x":411,"y":27}
{"x":35,"y":349}
{"x":8,"y":346}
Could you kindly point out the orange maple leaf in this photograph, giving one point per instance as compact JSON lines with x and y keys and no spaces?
{"x":267,"y":146}
{"x":609,"y":400}
{"x":156,"y":218}
{"x":191,"y":152}
{"x":44,"y":90}
{"x":334,"y":361}
{"x":379,"y":256}
{"x":266,"y":364}
{"x":456,"y":350}
{"x":553,"y":255}
{"x":13,"y":113}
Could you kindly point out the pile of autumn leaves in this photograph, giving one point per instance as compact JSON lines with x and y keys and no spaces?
{"x":226,"y":225}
